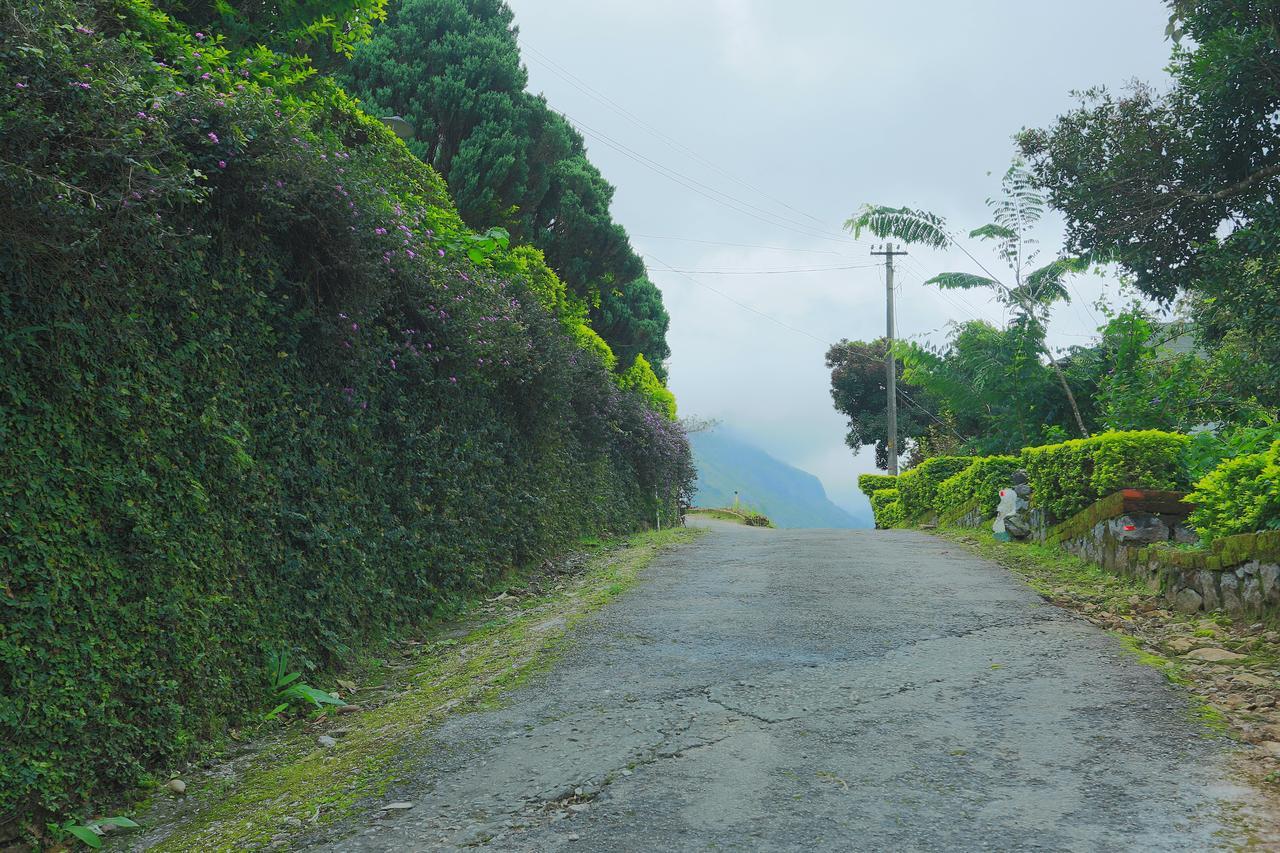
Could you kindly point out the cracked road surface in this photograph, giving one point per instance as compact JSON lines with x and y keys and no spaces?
{"x":821,"y":690}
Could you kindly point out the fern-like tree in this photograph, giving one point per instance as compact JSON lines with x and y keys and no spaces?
{"x":1031,"y":291}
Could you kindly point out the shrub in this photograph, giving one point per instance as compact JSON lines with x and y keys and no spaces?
{"x":887,"y":508}
{"x":1241,"y":495}
{"x":1065,"y":478}
{"x":918,"y":487}
{"x":639,"y":377}
{"x":869,"y":484}
{"x":984,"y":477}
{"x":260,"y":390}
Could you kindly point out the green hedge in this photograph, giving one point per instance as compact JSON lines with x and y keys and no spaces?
{"x":1241,"y":495}
{"x":869,"y":484}
{"x":259,"y":390}
{"x":918,"y":487}
{"x":984,"y":477}
{"x":887,"y":508}
{"x":1065,"y":478}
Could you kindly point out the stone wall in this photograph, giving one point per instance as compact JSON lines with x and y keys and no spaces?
{"x":968,"y":514}
{"x":1144,"y":535}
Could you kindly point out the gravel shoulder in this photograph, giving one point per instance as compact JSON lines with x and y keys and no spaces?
{"x":829,"y":690}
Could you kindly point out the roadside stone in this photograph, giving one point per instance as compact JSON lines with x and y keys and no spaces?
{"x":1254,"y":680}
{"x":1181,"y":645}
{"x":292,"y":823}
{"x":573,"y":836}
{"x":1017,"y":526}
{"x":326,"y":741}
{"x":176,"y":787}
{"x":1213,"y":655}
{"x":1187,"y":601}
{"x":398,"y":807}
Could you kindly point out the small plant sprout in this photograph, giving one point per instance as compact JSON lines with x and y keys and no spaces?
{"x":286,"y":686}
{"x":91,"y":832}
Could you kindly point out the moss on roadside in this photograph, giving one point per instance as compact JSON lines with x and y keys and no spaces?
{"x":1051,"y":571}
{"x":295,"y":778}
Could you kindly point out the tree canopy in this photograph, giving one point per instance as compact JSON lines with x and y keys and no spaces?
{"x":452,"y":70}
{"x":1179,"y":186}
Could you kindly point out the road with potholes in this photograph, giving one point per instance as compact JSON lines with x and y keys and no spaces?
{"x":822,"y":690}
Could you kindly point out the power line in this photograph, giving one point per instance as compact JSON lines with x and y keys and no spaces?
{"x":777,"y":271}
{"x":739,"y":245}
{"x":742,"y":305}
{"x":706,"y":190}
{"x":906,"y":398}
{"x":589,"y":90}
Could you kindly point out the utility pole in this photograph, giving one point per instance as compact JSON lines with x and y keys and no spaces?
{"x":890,"y":363}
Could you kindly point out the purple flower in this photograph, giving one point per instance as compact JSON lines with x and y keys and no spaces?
{"x":453,"y":379}
{"x":379,"y":231}
{"x":213,"y":137}
{"x":200,"y":36}
{"x":222,"y":164}
{"x":21,"y":85}
{"x":393,"y":364}
{"x":84,"y":31}
{"x":440,"y":252}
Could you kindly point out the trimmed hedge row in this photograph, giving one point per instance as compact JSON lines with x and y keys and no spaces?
{"x":1241,"y":495}
{"x":918,"y":487}
{"x":983,"y":478}
{"x":1065,"y":478}
{"x":869,"y":484}
{"x":887,"y":508}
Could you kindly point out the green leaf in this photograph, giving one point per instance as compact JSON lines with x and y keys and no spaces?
{"x":122,"y":822}
{"x":961,"y":281}
{"x":910,"y":226}
{"x":993,"y":231}
{"x":85,"y":834}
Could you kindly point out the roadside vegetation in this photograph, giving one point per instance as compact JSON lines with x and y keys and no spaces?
{"x":741,"y":515}
{"x":274,"y":399}
{"x":299,"y":779}
{"x":1170,"y":187}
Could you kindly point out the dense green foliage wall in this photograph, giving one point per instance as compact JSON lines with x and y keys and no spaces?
{"x":261,"y":390}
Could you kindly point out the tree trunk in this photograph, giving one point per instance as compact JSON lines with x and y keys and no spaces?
{"x":1071,"y":398}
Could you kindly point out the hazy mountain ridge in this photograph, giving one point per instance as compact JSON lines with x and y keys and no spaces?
{"x":789,"y":496}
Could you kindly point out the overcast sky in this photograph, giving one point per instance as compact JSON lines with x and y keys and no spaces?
{"x":767,"y":123}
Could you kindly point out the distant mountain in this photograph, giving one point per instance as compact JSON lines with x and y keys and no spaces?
{"x":789,"y":496}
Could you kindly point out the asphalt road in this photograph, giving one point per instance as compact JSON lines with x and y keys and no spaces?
{"x":822,"y":690}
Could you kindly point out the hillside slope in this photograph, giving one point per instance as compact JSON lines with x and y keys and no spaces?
{"x":790,"y":497}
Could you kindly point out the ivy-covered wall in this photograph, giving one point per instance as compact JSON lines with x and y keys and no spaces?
{"x":259,"y":390}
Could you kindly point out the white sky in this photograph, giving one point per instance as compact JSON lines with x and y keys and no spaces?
{"x":768,"y":123}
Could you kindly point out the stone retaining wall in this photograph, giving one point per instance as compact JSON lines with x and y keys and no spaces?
{"x":1144,"y":535}
{"x":968,"y":514}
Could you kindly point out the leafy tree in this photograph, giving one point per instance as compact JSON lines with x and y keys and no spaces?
{"x":859,"y":391}
{"x":1034,"y":289}
{"x":452,"y":70}
{"x":322,"y":30}
{"x":1179,"y":186}
{"x":994,"y":391}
